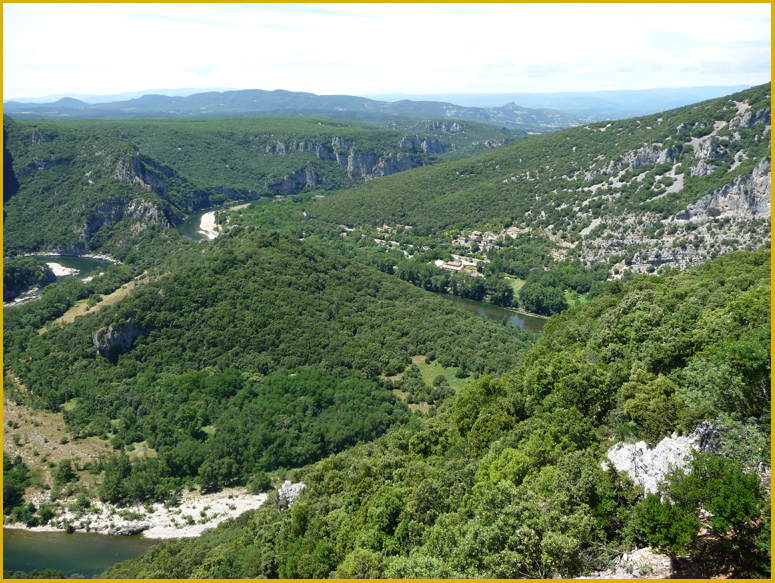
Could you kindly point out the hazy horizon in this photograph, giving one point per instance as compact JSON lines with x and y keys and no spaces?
{"x":364,"y":49}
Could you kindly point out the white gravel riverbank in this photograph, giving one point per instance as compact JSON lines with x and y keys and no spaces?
{"x":193,"y":514}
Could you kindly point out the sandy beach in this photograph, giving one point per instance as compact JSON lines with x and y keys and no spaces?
{"x":60,"y":270}
{"x":194,"y":514}
{"x":208,"y":227}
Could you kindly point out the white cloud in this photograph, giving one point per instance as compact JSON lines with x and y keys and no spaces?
{"x":371,"y":48}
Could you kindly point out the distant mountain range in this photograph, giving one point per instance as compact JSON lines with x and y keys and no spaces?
{"x":588,"y":105}
{"x":91,"y":98}
{"x":256,"y":102}
{"x":557,"y":110}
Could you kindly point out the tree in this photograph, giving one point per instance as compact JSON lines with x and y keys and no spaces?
{"x":670,"y":522}
{"x":64,"y":472}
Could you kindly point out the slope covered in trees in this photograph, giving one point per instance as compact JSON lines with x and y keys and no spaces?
{"x":627,"y":176}
{"x":188,"y":349}
{"x":258,"y":155}
{"x":505,"y":481}
{"x":96,"y":185}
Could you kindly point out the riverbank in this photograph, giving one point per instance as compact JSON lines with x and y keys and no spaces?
{"x":190,"y":515}
{"x":208,"y":227}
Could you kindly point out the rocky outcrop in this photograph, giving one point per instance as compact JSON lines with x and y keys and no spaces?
{"x":38,"y":138}
{"x":360,"y":163}
{"x":393,"y":164}
{"x":289,"y":492}
{"x":427,"y":145}
{"x":702,"y":169}
{"x":746,"y":198}
{"x":648,"y":466}
{"x":341,"y":144}
{"x":638,"y":564}
{"x":709,"y":148}
{"x":145,"y":213}
{"x":39,"y":164}
{"x":45,"y":276}
{"x":116,"y":339}
{"x":144,"y":172}
{"x":445,"y":126}
{"x":750,"y":118}
{"x":296,"y":182}
{"x":645,"y":155}
{"x":407,"y":143}
{"x":632,"y":160}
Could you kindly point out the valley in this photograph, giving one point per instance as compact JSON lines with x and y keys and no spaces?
{"x":439,"y":326}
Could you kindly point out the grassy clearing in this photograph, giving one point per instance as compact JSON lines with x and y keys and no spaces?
{"x":516,"y":284}
{"x":81,"y":307}
{"x":574,"y":299}
{"x":432,"y":370}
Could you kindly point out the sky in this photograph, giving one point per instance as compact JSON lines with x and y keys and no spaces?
{"x":361,"y":49}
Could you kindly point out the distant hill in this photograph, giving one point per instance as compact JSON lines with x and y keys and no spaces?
{"x":260,"y":102}
{"x":86,"y":185}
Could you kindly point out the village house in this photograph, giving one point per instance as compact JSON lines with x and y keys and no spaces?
{"x":453,"y":266}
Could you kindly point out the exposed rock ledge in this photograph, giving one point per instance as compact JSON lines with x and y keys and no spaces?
{"x":648,"y":466}
{"x":746,"y":198}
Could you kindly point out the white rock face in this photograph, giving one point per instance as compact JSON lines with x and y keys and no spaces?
{"x":746,"y":198}
{"x":648,"y":467}
{"x":290,"y":491}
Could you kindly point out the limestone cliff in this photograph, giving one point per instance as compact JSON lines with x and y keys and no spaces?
{"x":144,"y":172}
{"x":648,"y":466}
{"x":746,"y":198}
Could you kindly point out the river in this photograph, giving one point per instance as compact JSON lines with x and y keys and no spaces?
{"x":86,"y":266}
{"x":490,"y":312}
{"x":88,"y":554}
{"x":190,"y":228}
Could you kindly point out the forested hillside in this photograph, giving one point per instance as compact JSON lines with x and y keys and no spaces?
{"x":304,"y":341}
{"x":189,"y":349}
{"x":94,"y":185}
{"x":506,"y":480}
{"x":643,"y":186}
{"x":85,"y":190}
{"x":282,"y":155}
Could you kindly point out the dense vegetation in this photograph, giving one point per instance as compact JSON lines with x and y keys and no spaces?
{"x":255,"y":155}
{"x":297,"y":343}
{"x":22,"y":273}
{"x":82,"y":192}
{"x":409,"y":253}
{"x":113,"y":180}
{"x":246,"y":306}
{"x":505,"y":480}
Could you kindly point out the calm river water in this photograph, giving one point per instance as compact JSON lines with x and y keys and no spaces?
{"x":190,"y":227}
{"x":86,"y":266}
{"x":490,"y":312}
{"x":88,"y":554}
